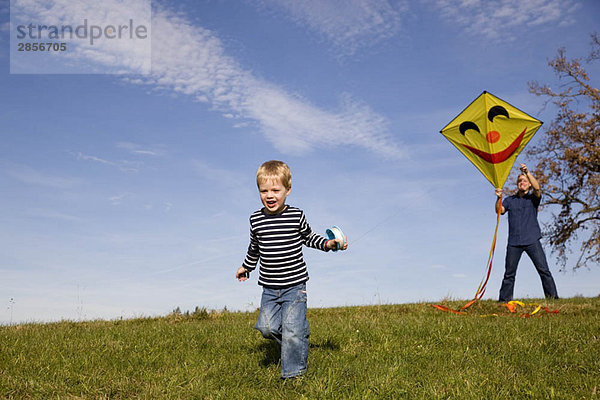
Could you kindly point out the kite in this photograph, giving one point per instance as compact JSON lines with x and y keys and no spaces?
{"x":490,"y":133}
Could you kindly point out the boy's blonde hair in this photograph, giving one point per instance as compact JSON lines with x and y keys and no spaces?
{"x":274,"y":169}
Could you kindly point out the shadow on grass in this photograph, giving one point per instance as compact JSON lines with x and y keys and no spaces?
{"x":327,"y":344}
{"x":271,"y":351}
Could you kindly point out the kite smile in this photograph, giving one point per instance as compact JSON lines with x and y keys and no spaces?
{"x":500,"y":156}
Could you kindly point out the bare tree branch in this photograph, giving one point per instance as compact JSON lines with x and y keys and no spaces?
{"x":568,"y":159}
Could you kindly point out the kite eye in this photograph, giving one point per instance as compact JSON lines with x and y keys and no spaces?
{"x":468,"y":125}
{"x":495,"y":111}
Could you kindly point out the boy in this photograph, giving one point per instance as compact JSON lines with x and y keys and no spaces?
{"x":277,"y":233}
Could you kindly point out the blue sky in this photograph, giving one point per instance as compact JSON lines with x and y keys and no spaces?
{"x":129,"y":194}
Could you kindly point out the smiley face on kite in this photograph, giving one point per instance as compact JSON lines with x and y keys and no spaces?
{"x":493,"y":137}
{"x":491,"y":133}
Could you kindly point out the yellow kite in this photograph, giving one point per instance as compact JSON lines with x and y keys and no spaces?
{"x":491,"y":133}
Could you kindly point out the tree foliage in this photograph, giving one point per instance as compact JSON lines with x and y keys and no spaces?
{"x":568,"y":160}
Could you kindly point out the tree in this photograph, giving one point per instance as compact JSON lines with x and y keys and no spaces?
{"x":568,"y":160}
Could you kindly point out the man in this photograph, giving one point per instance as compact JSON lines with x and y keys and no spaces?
{"x":524,"y":234}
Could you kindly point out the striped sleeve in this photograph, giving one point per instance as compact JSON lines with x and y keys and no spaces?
{"x":310,"y":238}
{"x":252,"y":254}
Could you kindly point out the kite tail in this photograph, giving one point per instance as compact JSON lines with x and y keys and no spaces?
{"x":482,"y":285}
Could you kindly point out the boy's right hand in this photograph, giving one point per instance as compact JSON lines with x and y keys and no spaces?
{"x":332,"y":244}
{"x":242,"y":274}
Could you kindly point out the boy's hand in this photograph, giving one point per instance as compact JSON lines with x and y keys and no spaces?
{"x":333,"y":243}
{"x":498,"y":192}
{"x":242,"y":274}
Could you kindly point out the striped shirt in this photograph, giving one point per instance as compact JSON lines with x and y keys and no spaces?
{"x":277,"y":240}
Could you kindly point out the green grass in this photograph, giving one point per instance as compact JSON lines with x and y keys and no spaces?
{"x":386,"y":352}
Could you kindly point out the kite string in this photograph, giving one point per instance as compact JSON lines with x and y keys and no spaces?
{"x":483,"y":283}
{"x":377,"y":225}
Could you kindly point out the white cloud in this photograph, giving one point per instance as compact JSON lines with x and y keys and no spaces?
{"x":438,"y":266}
{"x":348,"y":24}
{"x":505,"y":19}
{"x":123,"y":53}
{"x":123,"y":165}
{"x":222,"y":176}
{"x":138,"y":149}
{"x":145,"y":152}
{"x":295,"y":126}
{"x":191,"y":60}
{"x":31,"y":176}
{"x":117,"y":199}
{"x":51,"y":214}
{"x":85,"y":157}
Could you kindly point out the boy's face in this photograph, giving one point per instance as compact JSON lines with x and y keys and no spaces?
{"x":273,"y":195}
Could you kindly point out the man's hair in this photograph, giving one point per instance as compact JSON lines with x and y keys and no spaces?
{"x":274,"y":170}
{"x":519,"y":177}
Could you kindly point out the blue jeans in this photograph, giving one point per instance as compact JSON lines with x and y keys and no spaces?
{"x":536,"y":253}
{"x":283,"y":318}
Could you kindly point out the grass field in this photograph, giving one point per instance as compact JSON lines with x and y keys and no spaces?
{"x":379,"y":352}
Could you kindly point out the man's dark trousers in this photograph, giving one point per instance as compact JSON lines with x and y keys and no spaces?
{"x":536,"y":253}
